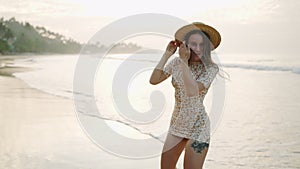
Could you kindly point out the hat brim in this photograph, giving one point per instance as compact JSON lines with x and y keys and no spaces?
{"x":214,"y":35}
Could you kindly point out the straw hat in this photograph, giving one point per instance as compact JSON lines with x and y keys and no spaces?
{"x":214,"y":35}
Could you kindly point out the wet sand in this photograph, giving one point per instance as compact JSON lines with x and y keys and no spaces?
{"x":38,"y":130}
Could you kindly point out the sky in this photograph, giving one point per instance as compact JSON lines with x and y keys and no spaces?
{"x":246,"y":26}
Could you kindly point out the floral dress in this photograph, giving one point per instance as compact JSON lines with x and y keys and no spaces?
{"x":189,"y":118}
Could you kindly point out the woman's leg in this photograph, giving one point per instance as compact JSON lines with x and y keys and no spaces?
{"x":173,"y":147}
{"x":195,"y":153}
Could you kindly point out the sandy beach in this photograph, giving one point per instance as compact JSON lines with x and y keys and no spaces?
{"x":34,"y":123}
{"x":39,"y":130}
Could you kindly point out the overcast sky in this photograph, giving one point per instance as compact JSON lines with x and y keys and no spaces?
{"x":250,"y":26}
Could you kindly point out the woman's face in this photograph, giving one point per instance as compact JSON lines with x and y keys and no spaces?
{"x":195,"y":42}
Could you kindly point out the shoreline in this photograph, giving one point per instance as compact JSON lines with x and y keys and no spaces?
{"x":31,"y":123}
{"x":7,"y":67}
{"x":40,"y":129}
{"x":10,"y":70}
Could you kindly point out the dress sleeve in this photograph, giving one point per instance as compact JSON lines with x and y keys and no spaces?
{"x":170,"y":67}
{"x":208,"y":76}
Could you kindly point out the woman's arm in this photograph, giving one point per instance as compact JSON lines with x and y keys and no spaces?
{"x":158,"y":73}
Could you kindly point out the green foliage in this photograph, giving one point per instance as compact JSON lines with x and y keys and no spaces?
{"x":3,"y":45}
{"x":17,"y":37}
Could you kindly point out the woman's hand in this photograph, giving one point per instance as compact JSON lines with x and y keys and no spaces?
{"x":171,"y":48}
{"x":184,"y":52}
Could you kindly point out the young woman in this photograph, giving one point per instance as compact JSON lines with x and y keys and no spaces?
{"x":192,"y":73}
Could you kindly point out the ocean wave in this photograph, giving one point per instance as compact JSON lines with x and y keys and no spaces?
{"x":250,"y":64}
{"x":292,"y":69}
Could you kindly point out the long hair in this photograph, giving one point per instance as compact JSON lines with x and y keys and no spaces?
{"x":206,"y":60}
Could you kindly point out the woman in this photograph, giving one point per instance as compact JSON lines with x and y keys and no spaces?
{"x":192,"y":73}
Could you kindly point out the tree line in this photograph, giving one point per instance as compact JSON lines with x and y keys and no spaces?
{"x":18,"y":37}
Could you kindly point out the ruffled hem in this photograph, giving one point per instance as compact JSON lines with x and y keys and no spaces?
{"x":189,"y":136}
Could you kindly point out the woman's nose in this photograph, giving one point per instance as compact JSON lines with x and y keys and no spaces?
{"x":198,"y":48}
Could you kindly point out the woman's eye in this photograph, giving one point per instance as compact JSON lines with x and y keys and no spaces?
{"x":195,"y":45}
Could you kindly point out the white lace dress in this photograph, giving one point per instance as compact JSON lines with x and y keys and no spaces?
{"x":190,"y":119}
